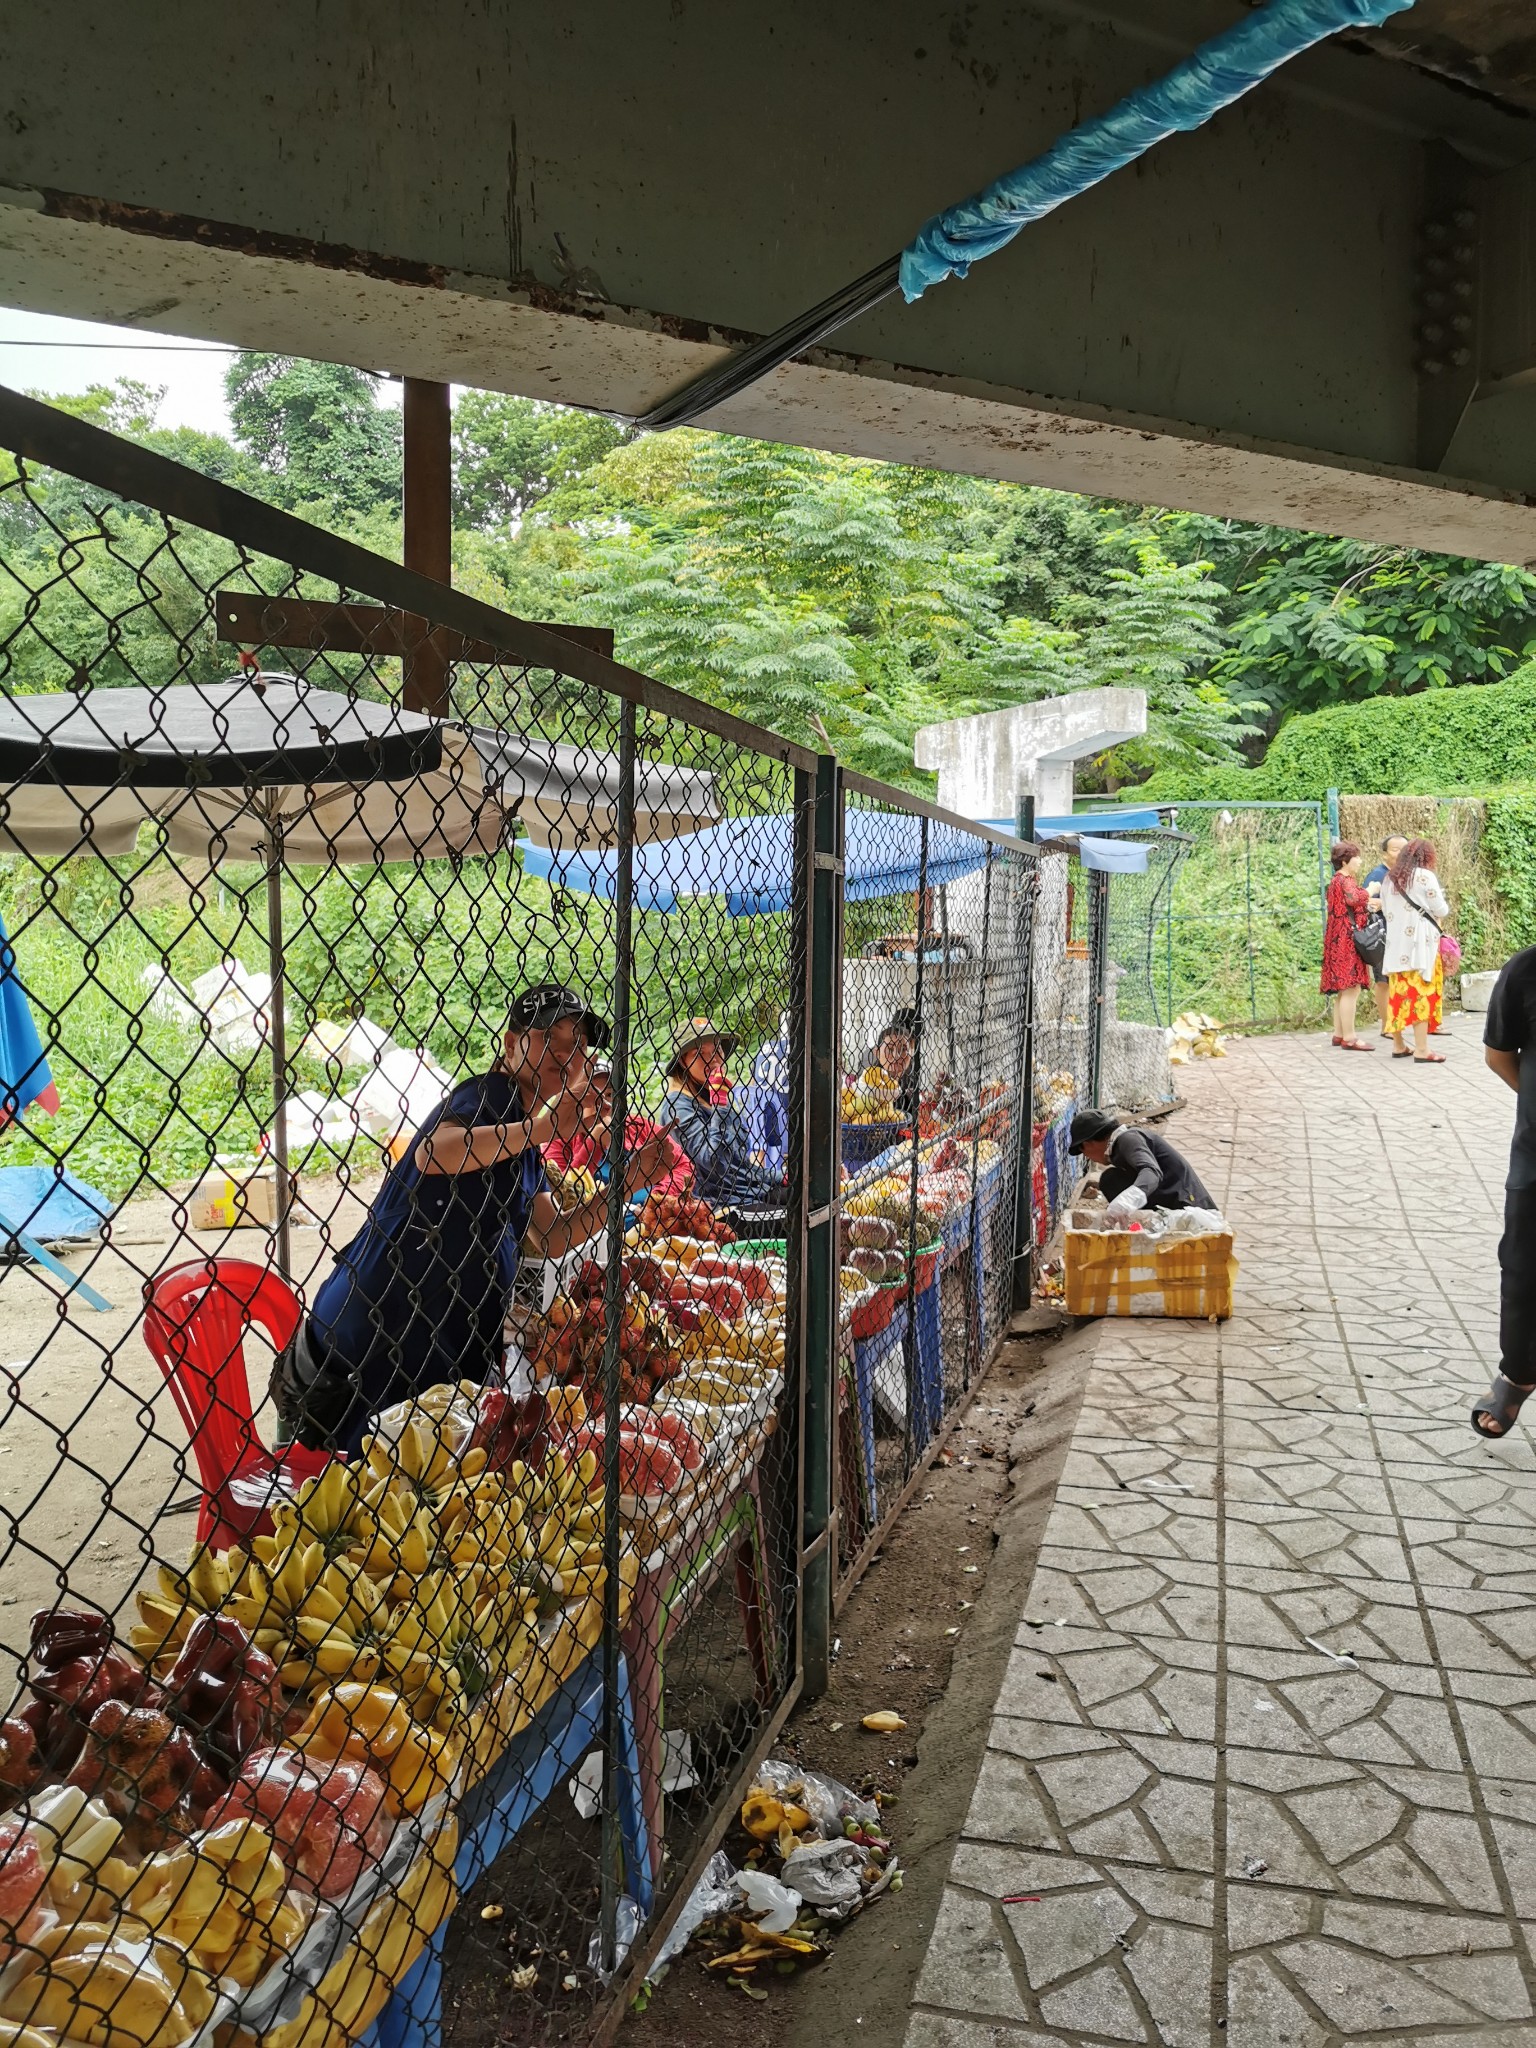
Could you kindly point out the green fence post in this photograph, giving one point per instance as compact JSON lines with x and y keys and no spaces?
{"x":1333,"y":814}
{"x":1023,"y":1290}
{"x":824,"y":1022}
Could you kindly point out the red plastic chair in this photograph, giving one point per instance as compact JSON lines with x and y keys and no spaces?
{"x":195,"y":1320}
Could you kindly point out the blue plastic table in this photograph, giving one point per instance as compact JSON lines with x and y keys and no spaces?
{"x":529,"y":1772}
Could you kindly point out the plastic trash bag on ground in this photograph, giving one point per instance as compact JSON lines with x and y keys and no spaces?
{"x":826,"y":1875}
{"x":627,"y":1924}
{"x":1193,"y":1223}
{"x":714,"y":1894}
{"x":827,"y":1802}
{"x":771,"y":1905}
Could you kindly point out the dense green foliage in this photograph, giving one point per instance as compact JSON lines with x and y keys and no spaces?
{"x":1439,"y":743}
{"x":1315,"y":621}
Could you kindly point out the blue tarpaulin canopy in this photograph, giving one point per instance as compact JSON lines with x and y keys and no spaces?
{"x":1094,"y":849}
{"x":751,"y":862}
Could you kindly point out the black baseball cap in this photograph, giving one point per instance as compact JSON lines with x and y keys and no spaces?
{"x":1089,"y":1125}
{"x":538,"y":1009}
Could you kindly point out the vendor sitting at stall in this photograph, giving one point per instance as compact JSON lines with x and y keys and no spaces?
{"x":586,"y":1149}
{"x":419,"y":1297}
{"x":1141,"y":1170}
{"x":700,"y":1112}
{"x":895,"y":1056}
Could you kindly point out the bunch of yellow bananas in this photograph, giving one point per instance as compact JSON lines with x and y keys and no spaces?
{"x":422,"y":1459}
{"x":109,"y":1986}
{"x":178,"y":1598}
{"x":293,"y":1599}
{"x":357,"y":1987}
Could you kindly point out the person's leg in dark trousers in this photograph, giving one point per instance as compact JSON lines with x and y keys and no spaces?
{"x":1114,"y":1180}
{"x":1517,"y":1316}
{"x":1517,"y":1288}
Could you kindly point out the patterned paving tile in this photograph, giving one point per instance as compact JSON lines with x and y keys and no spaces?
{"x":1137,"y":1798}
{"x":1147,"y":1522}
{"x":1448,"y":1440}
{"x":1476,"y":1497}
{"x":1314,"y":1972}
{"x":1099,"y":1951}
{"x":1372,"y":1618}
{"x":1294,"y":1539}
{"x":1368,"y":1831}
{"x":1294,"y":1479}
{"x":1498,"y":1713}
{"x":1499,"y":1556}
{"x":1329,"y":1435}
{"x":1312,"y":1705}
{"x":1279,"y":1655}
{"x":1153,"y":1596}
{"x":1161,"y":1418}
{"x":1483,"y":1631}
{"x":1089,"y":1678}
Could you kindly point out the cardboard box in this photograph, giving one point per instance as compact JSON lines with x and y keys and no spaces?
{"x":1130,"y":1273}
{"x":236,"y":1195}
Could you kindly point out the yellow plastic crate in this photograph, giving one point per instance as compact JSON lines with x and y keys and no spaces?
{"x":1127,"y":1273}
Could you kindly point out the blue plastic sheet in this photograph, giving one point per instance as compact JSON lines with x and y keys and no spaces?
{"x":1218,"y":73}
{"x":751,"y":862}
{"x":24,"y":1072}
{"x":50,"y":1204}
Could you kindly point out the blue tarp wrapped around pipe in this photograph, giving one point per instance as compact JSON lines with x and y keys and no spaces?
{"x":750,"y":862}
{"x":1215,"y":75}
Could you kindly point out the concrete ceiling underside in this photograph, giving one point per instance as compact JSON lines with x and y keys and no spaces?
{"x":1487,"y":44}
{"x":1319,"y":310}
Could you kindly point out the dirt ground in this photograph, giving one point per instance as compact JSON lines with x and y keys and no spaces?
{"x":926,"y":1632}
{"x":92,"y":1450}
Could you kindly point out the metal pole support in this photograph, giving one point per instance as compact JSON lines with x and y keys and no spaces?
{"x":1333,"y":814}
{"x":428,"y":437}
{"x":824,"y":956}
{"x":1098,"y":964}
{"x":1023,"y":1289}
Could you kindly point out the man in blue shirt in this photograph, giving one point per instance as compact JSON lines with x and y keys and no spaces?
{"x":419,"y":1297}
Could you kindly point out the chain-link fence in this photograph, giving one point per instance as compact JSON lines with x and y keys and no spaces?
{"x":938,"y":928}
{"x":1241,"y":923}
{"x":419,"y":1482}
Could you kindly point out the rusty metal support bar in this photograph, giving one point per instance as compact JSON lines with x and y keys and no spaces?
{"x":428,"y":529}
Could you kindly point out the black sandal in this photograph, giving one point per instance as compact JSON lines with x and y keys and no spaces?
{"x":1502,"y":1403}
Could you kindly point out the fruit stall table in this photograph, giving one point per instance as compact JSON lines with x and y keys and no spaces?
{"x":723,"y":1524}
{"x":525,"y":1777}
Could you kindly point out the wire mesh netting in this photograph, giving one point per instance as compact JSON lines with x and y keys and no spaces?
{"x":1133,"y":1065}
{"x":403,"y":1488}
{"x":403,"y":1187}
{"x":1242,"y":921}
{"x":1064,"y":1009}
{"x":935,"y":981}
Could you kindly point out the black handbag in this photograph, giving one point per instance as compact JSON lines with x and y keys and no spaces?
{"x":1371,"y":941}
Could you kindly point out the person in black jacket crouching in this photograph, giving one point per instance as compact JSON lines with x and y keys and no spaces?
{"x":1141,"y":1170}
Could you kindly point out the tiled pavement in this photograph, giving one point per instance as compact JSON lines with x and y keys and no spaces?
{"x":1263,"y":1767}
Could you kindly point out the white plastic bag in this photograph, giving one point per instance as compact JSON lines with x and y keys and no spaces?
{"x":772,"y":1906}
{"x":714,"y":1894}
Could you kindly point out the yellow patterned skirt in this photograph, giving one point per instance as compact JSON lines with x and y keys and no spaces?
{"x":1413,"y":1000}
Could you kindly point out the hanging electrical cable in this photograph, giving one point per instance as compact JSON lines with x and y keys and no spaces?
{"x":1212,"y":77}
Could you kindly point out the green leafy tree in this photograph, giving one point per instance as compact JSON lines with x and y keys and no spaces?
{"x":319,"y":432}
{"x":1155,"y":627}
{"x":1314,"y":621}
{"x":509,"y":453}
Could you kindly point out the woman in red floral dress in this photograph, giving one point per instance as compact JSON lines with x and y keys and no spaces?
{"x":1344,"y":972}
